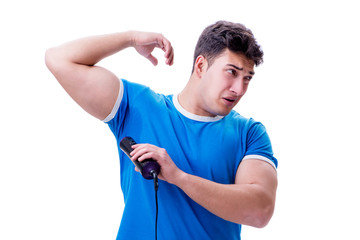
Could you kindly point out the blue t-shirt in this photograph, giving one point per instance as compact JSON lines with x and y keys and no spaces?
{"x":208,"y":147}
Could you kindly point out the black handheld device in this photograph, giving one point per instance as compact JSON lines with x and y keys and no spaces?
{"x":148,"y":168}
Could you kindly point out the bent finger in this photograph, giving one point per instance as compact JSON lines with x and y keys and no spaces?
{"x":152,"y":59}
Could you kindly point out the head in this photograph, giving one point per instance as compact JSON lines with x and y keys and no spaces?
{"x":224,"y":61}
{"x":222,"y":35}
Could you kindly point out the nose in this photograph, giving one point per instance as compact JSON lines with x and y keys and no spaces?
{"x":238,"y":87}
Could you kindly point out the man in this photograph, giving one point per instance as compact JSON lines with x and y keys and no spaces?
{"x":217,"y":167}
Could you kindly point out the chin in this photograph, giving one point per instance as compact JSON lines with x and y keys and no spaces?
{"x":220,"y":110}
{"x":224,"y":112}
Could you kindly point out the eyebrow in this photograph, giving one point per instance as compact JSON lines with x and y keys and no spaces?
{"x":240,"y":69}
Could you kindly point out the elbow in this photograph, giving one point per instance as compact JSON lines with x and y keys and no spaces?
{"x":49,"y":59}
{"x":258,"y":218}
{"x":261,"y":216}
{"x":262,"y":209}
{"x":257,"y":215}
{"x":56,"y":62}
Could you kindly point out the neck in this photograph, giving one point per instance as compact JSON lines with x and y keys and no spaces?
{"x":186,"y":96}
{"x":189,"y":98}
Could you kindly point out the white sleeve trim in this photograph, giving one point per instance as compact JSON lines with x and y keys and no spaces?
{"x":117,"y":103}
{"x":259,"y":157}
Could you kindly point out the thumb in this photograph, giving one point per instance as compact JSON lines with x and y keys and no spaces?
{"x":152,"y":59}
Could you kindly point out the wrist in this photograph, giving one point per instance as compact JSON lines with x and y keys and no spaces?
{"x":180,"y":178}
{"x":131,"y":36}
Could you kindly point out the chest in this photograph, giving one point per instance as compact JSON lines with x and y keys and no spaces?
{"x":212,"y":151}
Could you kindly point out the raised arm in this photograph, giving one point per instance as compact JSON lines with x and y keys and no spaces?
{"x":95,"y":88}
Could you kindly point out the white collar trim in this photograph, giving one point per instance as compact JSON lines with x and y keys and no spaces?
{"x":191,"y":115}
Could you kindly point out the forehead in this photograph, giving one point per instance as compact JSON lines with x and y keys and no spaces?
{"x":237,"y":59}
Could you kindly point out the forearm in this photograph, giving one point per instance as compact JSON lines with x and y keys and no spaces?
{"x":246,"y":204}
{"x":250,"y":200}
{"x":90,"y":50}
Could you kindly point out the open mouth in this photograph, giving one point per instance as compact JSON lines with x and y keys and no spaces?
{"x":229,"y":101}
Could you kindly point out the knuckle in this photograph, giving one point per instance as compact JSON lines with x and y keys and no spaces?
{"x":163,"y":151}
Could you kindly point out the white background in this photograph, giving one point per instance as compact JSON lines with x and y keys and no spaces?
{"x":59,"y":171}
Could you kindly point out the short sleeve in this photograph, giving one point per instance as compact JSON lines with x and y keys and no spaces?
{"x":259,"y":145}
{"x":118,"y":113}
{"x":117,"y":103}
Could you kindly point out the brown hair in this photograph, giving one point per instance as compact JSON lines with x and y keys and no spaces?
{"x":223,"y":35}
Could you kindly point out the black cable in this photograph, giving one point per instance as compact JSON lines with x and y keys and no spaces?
{"x":156,"y":218}
{"x":156,"y":186}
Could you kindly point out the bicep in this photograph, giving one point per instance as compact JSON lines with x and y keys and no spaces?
{"x":259,"y":179}
{"x":94,"y":88}
{"x":259,"y":172}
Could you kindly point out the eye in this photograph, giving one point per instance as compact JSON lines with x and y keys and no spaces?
{"x":232,"y":72}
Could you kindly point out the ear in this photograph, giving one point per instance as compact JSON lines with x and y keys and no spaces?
{"x":200,"y":66}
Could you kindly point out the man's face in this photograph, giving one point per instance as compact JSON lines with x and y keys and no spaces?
{"x":224,"y":83}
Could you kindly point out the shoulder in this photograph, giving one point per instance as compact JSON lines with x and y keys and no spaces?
{"x":139,"y":92}
{"x":133,"y":89}
{"x":241,"y":122}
